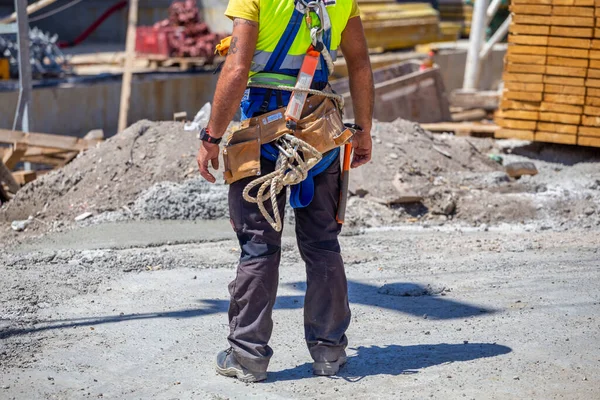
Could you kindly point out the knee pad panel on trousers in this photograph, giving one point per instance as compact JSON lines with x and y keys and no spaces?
{"x":252,"y":249}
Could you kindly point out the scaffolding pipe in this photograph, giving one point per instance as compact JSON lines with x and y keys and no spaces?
{"x":496,"y":38}
{"x":22,"y":118}
{"x":473,"y":65}
{"x":492,"y":9}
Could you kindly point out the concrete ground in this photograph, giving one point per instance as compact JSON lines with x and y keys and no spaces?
{"x":138,"y":311}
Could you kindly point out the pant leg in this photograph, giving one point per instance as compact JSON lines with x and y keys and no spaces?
{"x":254,"y":289}
{"x":326,"y":308}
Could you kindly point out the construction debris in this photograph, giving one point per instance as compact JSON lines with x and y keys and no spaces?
{"x":519,"y":169}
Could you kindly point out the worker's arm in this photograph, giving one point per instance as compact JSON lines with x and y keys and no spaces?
{"x":229,"y":92}
{"x":356,"y":53}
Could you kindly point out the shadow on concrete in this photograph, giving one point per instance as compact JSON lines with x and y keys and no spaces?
{"x":435,"y":307}
{"x":397,"y":360}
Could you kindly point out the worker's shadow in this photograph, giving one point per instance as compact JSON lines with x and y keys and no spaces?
{"x":397,"y":360}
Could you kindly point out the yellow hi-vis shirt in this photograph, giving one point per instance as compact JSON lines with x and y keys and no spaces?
{"x":273,"y":17}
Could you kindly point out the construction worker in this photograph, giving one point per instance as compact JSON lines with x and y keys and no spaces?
{"x":269,"y":42}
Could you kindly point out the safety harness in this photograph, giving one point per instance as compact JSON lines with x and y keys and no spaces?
{"x":296,"y":161}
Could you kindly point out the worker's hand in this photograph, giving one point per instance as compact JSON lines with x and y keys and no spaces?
{"x":362,"y":146}
{"x":208,"y":152}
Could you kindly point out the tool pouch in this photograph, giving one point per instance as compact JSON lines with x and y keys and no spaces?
{"x":321,"y":126}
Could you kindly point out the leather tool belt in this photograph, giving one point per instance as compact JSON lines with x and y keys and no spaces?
{"x":321,"y":126}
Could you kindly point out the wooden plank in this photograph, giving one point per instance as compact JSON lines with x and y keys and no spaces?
{"x":565,"y":81}
{"x":45,"y":140}
{"x":23,"y":177}
{"x":566,"y":71}
{"x":460,"y":126}
{"x":516,"y":124}
{"x":564,"y":98}
{"x":590,"y":120}
{"x":526,"y":59}
{"x":519,"y":29}
{"x":553,"y":20}
{"x":591,"y":110}
{"x":561,"y":108}
{"x":525,"y":78}
{"x":592,"y":101}
{"x":558,"y":128}
{"x":597,"y":30}
{"x":38,"y":5}
{"x":588,"y":141}
{"x":595,"y":45}
{"x":571,"y":31}
{"x":593,"y":92}
{"x":528,"y":40}
{"x":12,"y":157}
{"x":567,"y":62}
{"x":569,"y":42}
{"x":524,"y":96}
{"x":514,"y":134}
{"x":525,"y":68}
{"x":45,"y":160}
{"x":564,"y":52}
{"x":552,"y":137}
{"x":532,"y":2}
{"x":595,"y":64}
{"x":533,"y":9}
{"x":129,"y":61}
{"x":529,"y":50}
{"x":573,"y":2}
{"x":595,"y":83}
{"x":593,"y":73}
{"x":7,"y":178}
{"x":563,"y":89}
{"x":560,"y":118}
{"x":573,"y":11}
{"x":519,"y":105}
{"x":589,"y":131}
{"x":594,"y":54}
{"x":518,"y":114}
{"x":524,"y":87}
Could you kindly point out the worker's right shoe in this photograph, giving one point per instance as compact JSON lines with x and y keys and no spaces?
{"x":329,"y":368}
{"x":228,"y":365}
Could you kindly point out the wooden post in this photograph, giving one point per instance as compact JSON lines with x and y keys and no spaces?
{"x":128,"y":70}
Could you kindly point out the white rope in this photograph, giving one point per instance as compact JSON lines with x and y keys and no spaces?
{"x":296,"y":158}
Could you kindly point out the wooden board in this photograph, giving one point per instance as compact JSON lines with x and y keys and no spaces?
{"x":579,"y":43}
{"x":564,"y":89}
{"x":46,"y":140}
{"x":589,"y":120}
{"x":595,"y":92}
{"x":519,"y":29}
{"x":588,"y":3}
{"x":531,"y":1}
{"x":591,"y":110}
{"x":460,"y":127}
{"x":528,"y":40}
{"x":534,"y":9}
{"x":595,"y":83}
{"x":526,"y":59}
{"x":573,"y":11}
{"x":588,"y":141}
{"x":594,"y":64}
{"x":527,"y":50}
{"x":561,"y":108}
{"x":592,"y":101}
{"x":13,"y":155}
{"x":558,"y":128}
{"x":567,"y":62}
{"x":524,"y":96}
{"x":571,"y":31}
{"x":566,"y":71}
{"x":560,"y":118}
{"x":514,"y":134}
{"x":517,"y":114}
{"x":594,"y":54}
{"x":525,"y":68}
{"x":516,"y":124}
{"x":520,"y":105}
{"x":593,"y":73}
{"x":24,"y":177}
{"x":524,"y":87}
{"x":589,"y":131}
{"x":566,"y":52}
{"x":553,"y":20}
{"x":565,"y":81}
{"x":525,"y":78}
{"x":564,"y":98}
{"x":552,"y":137}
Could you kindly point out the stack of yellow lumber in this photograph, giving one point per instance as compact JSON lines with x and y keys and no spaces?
{"x":460,"y":11}
{"x":552,"y":73}
{"x":390,"y":26}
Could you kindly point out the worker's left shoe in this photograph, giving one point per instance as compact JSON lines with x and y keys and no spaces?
{"x":228,"y":365}
{"x":329,"y":368}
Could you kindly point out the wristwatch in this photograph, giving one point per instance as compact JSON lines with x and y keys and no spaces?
{"x":204,"y":135}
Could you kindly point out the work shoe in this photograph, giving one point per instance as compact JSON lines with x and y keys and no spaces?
{"x":228,"y":365}
{"x":328,"y":368}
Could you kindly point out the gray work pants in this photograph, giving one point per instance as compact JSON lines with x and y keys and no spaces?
{"x":254,"y":289}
